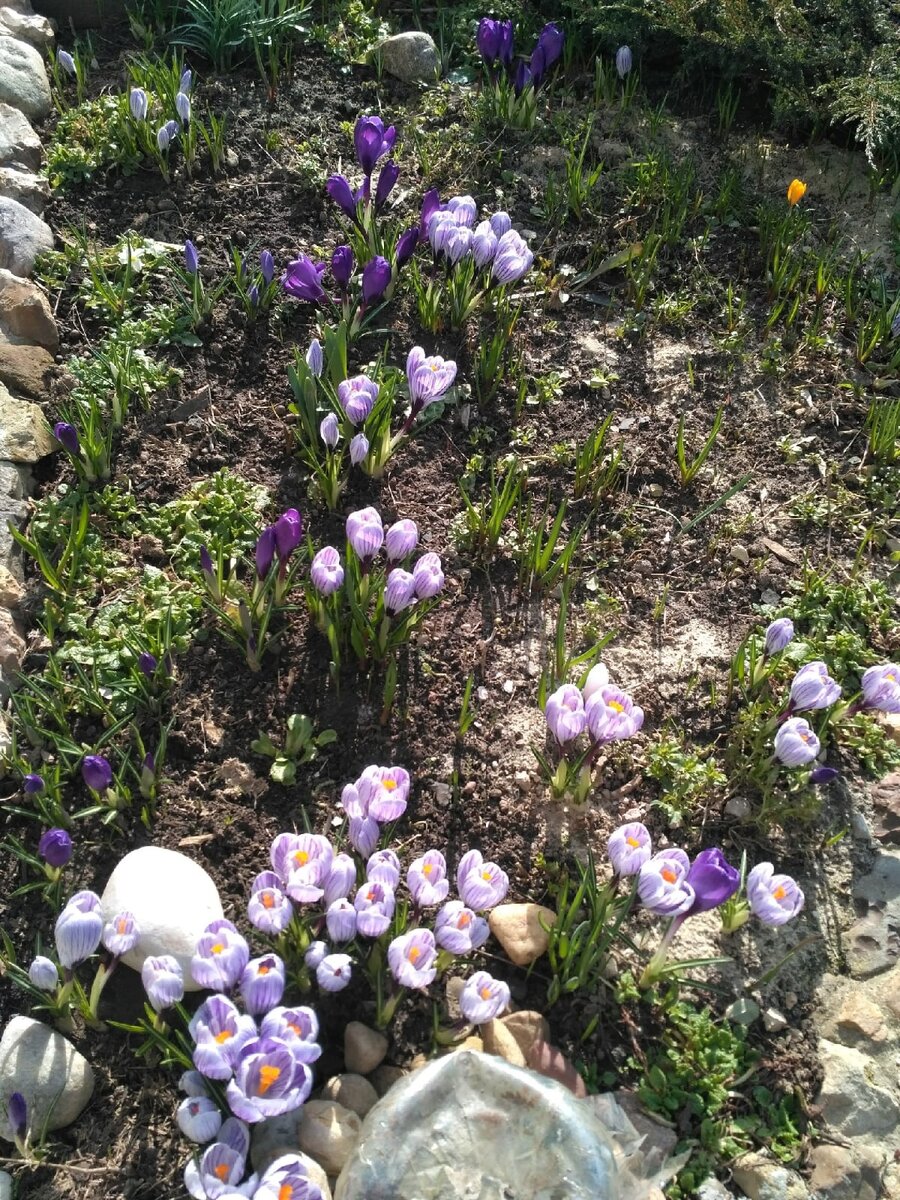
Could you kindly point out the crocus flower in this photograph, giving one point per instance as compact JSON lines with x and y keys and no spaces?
{"x":218,"y":1174}
{"x":326,"y":573}
{"x":67,"y":436}
{"x":288,"y":532}
{"x":480,"y":884}
{"x":187,"y":76}
{"x":564,"y":713}
{"x":363,"y":834}
{"x":365,"y":533}
{"x":340,"y":880}
{"x":384,"y":792}
{"x":219,"y":1030}
{"x":121,"y":934}
{"x":501,"y":223}
{"x":268,"y":908}
{"x":139,"y":103}
{"x":78,"y":929}
{"x":795,"y":743}
{"x":428,"y":378}
{"x":778,"y":635}
{"x":411,"y":958}
{"x":55,"y":847}
{"x":431,"y":203}
{"x":220,"y":958}
{"x":623,"y":60}
{"x":265,"y":551}
{"x":401,"y":539}
{"x":147,"y":663}
{"x":340,"y":920}
{"x":357,"y":397}
{"x":192,"y":1083}
{"x":96,"y":772}
{"x":183,"y":107}
{"x":441,"y":228}
{"x":796,"y":191}
{"x":268,"y":1081}
{"x":17,"y":1116}
{"x":537,"y":67}
{"x":44,"y":974}
{"x":341,"y":193}
{"x":522,"y":77}
{"x":483,"y":998}
{"x":512,"y":260}
{"x":406,"y":246}
{"x":881,"y":687}
{"x":343,"y":265}
{"x":384,"y":867}
{"x":662,"y":883}
{"x":333,"y":972}
{"x":303,"y":862}
{"x":612,"y":715}
{"x":374,"y":904}
{"x":458,"y":929}
{"x":315,"y":359}
{"x":163,"y":138}
{"x":287,"y":1179}
{"x":372,"y":141}
{"x":459,"y":245}
{"x":32,"y":785}
{"x":267,"y":266}
{"x":399,"y":590}
{"x":713,"y":879}
{"x":484,"y":244}
{"x":330,"y":431}
{"x":303,"y":279}
{"x":262,"y":984}
{"x":597,"y":677}
{"x":376,"y":277}
{"x":551,"y":40}
{"x":199,"y":1119}
{"x":464,"y":210}
{"x":387,"y":177}
{"x":66,"y":61}
{"x":629,"y":847}
{"x":427,"y":879}
{"x":163,"y":981}
{"x":775,"y":899}
{"x":358,"y":448}
{"x":314,"y":954}
{"x":488,"y":39}
{"x":299,"y":1027}
{"x":813,"y":687}
{"x":819,"y":775}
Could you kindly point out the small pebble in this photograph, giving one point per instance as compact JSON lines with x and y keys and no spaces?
{"x":740,"y":554}
{"x":774,"y":1021}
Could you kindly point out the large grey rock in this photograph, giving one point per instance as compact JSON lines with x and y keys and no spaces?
{"x":173,"y":900}
{"x":23,"y":79}
{"x":873,"y":942}
{"x":32,"y":191}
{"x":23,"y":236}
{"x":20,"y":146}
{"x":56,"y":1081}
{"x":762,"y":1178}
{"x":27,"y":27}
{"x":25,"y":436}
{"x":471,"y":1125}
{"x":25,"y":312}
{"x":849,"y":1100}
{"x":412,"y":57}
{"x":846,"y":1172}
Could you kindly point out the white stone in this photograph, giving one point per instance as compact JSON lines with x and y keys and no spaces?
{"x":56,"y":1081}
{"x":850,"y":1101}
{"x":29,"y":27}
{"x":740,"y":554}
{"x":520,"y":930}
{"x":761,"y":1178}
{"x":23,"y":80}
{"x":20,"y":146}
{"x":23,"y":236}
{"x":173,"y":900}
{"x":774,"y":1021}
{"x":364,"y":1048}
{"x":412,"y":57}
{"x":328,"y":1133}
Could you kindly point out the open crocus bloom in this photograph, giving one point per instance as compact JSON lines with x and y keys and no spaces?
{"x":629,"y":847}
{"x":612,"y":715}
{"x":795,"y":743}
{"x":299,"y":1027}
{"x":219,"y":1031}
{"x":775,"y":899}
{"x":302,"y":861}
{"x":411,"y":958}
{"x":268,"y":1080}
{"x":428,"y":378}
{"x":813,"y":687}
{"x":427,"y":879}
{"x":384,"y":792}
{"x":564,"y":713}
{"x":663,"y":886}
{"x":483,"y":998}
{"x":458,"y":929}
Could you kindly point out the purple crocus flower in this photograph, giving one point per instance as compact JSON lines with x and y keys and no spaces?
{"x":480,"y":884}
{"x":303,"y":861}
{"x":795,"y":743}
{"x":268,"y":1081}
{"x":564,"y":713}
{"x":265,"y":551}
{"x":303,"y":279}
{"x":163,"y":981}
{"x":501,"y":223}
{"x":406,"y":246}
{"x":458,"y":929}
{"x":597,"y":678}
{"x":330,"y":430}
{"x":315,"y":359}
{"x":488,"y":39}
{"x":78,"y":929}
{"x":66,"y":61}
{"x":775,"y":899}
{"x":629,"y":847}
{"x":340,"y":920}
{"x":387,"y":177}
{"x":220,"y":958}
{"x":163,"y":138}
{"x":551,"y":40}
{"x":363,"y":834}
{"x":219,"y":1031}
{"x":623,"y":61}
{"x":881,"y":688}
{"x":268,"y":908}
{"x":399,"y":590}
{"x":372,"y":141}
{"x":121,"y":934}
{"x":662,"y":883}
{"x":55,"y":847}
{"x":376,"y":277}
{"x":365,"y":533}
{"x":341,"y":193}
{"x":17,"y":1116}
{"x":343,"y":264}
{"x":218,"y":1173}
{"x":334,"y":972}
{"x":187,"y":76}
{"x":287,"y":1179}
{"x":299,"y":1027}
{"x":288,"y":533}
{"x":459,"y":244}
{"x":384,"y":867}
{"x":262,"y":984}
{"x":326,"y":573}
{"x":820,"y":775}
{"x":384,"y":792}
{"x":33,"y":785}
{"x":314,"y":954}
{"x":401,"y":539}
{"x":374,"y":904}
{"x":139,"y":103}
{"x":431,"y":204}
{"x":192,"y":1083}
{"x":428,"y":378}
{"x":191,"y":257}
{"x":44,"y":974}
{"x":813,"y":687}
{"x":483,"y":998}
{"x":67,"y":436}
{"x":357,"y":397}
{"x":183,"y":107}
{"x":411,"y":958}
{"x":484,"y":244}
{"x":427,"y":879}
{"x":512,"y":260}
{"x":612,"y":715}
{"x":96,"y":772}
{"x":199,"y":1119}
{"x":147,"y":663}
{"x":522,"y":78}
{"x":341,"y":878}
{"x":464,"y":210}
{"x":267,"y":266}
{"x":778,"y":635}
{"x":713,"y":879}
{"x":358,"y":448}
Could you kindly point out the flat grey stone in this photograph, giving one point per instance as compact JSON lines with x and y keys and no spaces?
{"x":873,"y":941}
{"x":15,"y":482}
{"x":25,"y":436}
{"x":412,"y":57}
{"x":25,"y":312}
{"x":56,"y":1081}
{"x":20,"y":146}
{"x":29,"y":189}
{"x":849,"y":1100}
{"x":762,"y":1178}
{"x":23,"y":79}
{"x":23,"y":236}
{"x":28,"y":27}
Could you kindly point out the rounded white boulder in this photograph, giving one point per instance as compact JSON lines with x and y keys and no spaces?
{"x":173,"y":900}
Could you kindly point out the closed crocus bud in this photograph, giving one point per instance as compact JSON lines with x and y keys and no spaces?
{"x":315,"y":359}
{"x":334,"y":972}
{"x":372,"y":141}
{"x":288,"y":533}
{"x":483,"y":998}
{"x":881,"y":688}
{"x":147,"y":663}
{"x":55,"y":847}
{"x":44,"y":974}
{"x":341,"y":193}
{"x":375,"y":279}
{"x":822,"y":775}
{"x":191,"y":257}
{"x":326,"y":573}
{"x":813,"y":687}
{"x":267,"y":265}
{"x":431,"y":203}
{"x":399,"y":591}
{"x":67,"y":436}
{"x":500,"y":223}
{"x":183,"y":107}
{"x":484,"y":244}
{"x":795,"y":743}
{"x":268,"y":908}
{"x":464,"y":210}
{"x":330,"y":431}
{"x":359,"y":448}
{"x":96,"y":772}
{"x":341,"y":878}
{"x":163,"y":981}
{"x":17,"y":1115}
{"x":506,"y":42}
{"x":775,"y":899}
{"x":522,"y":77}
{"x":387,"y":177}
{"x":32,"y":785}
{"x":139,"y":103}
{"x":513,"y":259}
{"x":623,"y":61}
{"x":199,"y":1119}
{"x":384,"y":867}
{"x":597,"y":678}
{"x":796,"y":191}
{"x":342,"y":265}
{"x":406,"y":246}
{"x":778,"y":635}
{"x":537,"y":67}
{"x":264,"y":554}
{"x":66,"y":61}
{"x":487,"y":39}
{"x":365,"y":533}
{"x":163,"y":138}
{"x":357,"y":397}
{"x":401,"y":539}
{"x":441,"y":228}
{"x":78,"y":929}
{"x":629,"y":847}
{"x":340,"y":920}
{"x":363,"y":834}
{"x":121,"y":934}
{"x":551,"y":40}
{"x":458,"y":929}
{"x":428,"y":577}
{"x":303,"y":279}
{"x":314,"y":954}
{"x":713,"y":879}
{"x":374,"y":904}
{"x":206,"y":562}
{"x":662,"y":883}
{"x":262,"y":984}
{"x":564,"y":713}
{"x":411,"y":958}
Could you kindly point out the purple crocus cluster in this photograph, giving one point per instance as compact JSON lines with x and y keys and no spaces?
{"x":495,"y":41}
{"x":492,"y":245}
{"x":599,"y":708}
{"x":217,"y":1174}
{"x":139,"y":106}
{"x":372,"y":143}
